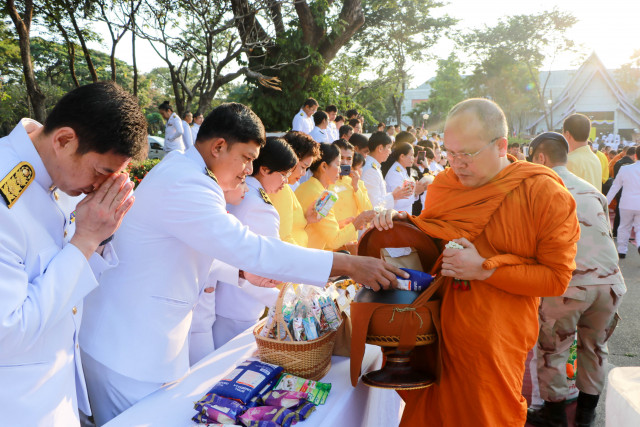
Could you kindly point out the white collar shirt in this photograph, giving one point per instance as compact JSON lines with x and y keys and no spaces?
{"x":376,"y":186}
{"x":302,"y":122}
{"x":320,"y":135}
{"x":627,"y":179}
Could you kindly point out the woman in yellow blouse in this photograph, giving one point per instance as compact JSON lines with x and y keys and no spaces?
{"x":327,"y":233}
{"x":353,"y":198}
{"x":293,"y":220}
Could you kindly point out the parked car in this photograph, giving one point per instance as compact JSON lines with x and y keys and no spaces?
{"x":156,"y":147}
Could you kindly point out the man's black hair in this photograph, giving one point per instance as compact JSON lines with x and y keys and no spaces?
{"x":235,"y":123}
{"x":352,"y":113}
{"x":358,"y":159}
{"x":359,"y":141}
{"x":354,"y":122}
{"x":578,"y":125}
{"x":276,"y":155}
{"x":319,"y":117}
{"x":378,"y":138}
{"x":328,"y":153}
{"x":310,"y":102}
{"x":344,"y":130}
{"x":303,"y":145}
{"x":186,"y":114}
{"x":425,"y":143}
{"x":343,"y":144}
{"x":405,"y":136}
{"x":339,"y":119}
{"x":105,"y":118}
{"x":632,"y":151}
{"x":197,"y":114}
{"x":331,"y":109}
{"x":166,"y":106}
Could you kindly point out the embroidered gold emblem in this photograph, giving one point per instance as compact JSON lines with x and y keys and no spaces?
{"x":211,"y":175}
{"x":398,"y":168}
{"x":265,"y":197}
{"x":13,"y":185}
{"x":373,"y":165}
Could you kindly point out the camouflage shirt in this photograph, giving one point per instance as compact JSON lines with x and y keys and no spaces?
{"x":597,"y":257}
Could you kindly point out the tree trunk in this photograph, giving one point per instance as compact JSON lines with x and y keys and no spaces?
{"x":23,"y":27}
{"x":133,"y":49}
{"x":71,"y":51}
{"x":85,"y":49}
{"x":113,"y":60}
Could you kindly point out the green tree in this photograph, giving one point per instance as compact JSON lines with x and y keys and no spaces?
{"x":527,"y":40}
{"x":447,"y":89}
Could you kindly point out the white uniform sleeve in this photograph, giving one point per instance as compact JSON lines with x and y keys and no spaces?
{"x":393,"y":180}
{"x":222,"y":272}
{"x":186,"y":135}
{"x":174,"y":131}
{"x":209,"y":229}
{"x":100,"y":264}
{"x":29,"y":306}
{"x":376,"y":189}
{"x":298,"y":123}
{"x":616,"y":186}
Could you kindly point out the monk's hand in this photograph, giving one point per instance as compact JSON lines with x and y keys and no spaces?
{"x":464,"y":264}
{"x":383,"y":220}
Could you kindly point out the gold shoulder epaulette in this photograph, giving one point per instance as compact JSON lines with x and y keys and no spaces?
{"x":265,"y":197}
{"x":211,"y":175}
{"x":13,"y":185}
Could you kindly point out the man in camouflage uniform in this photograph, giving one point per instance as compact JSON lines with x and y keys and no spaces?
{"x":589,"y":304}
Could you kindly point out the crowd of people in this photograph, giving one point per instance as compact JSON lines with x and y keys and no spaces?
{"x":164,"y":276}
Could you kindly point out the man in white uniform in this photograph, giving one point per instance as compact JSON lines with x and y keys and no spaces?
{"x":49,"y":238}
{"x":198,"y":118}
{"x":136,"y":336}
{"x":173,"y":130}
{"x":332,"y":113}
{"x":187,"y":136}
{"x":320,"y":132}
{"x":379,"y":150}
{"x":303,"y":121}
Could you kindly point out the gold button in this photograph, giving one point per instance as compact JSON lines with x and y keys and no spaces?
{"x":65,"y":233}
{"x":55,"y":196}
{"x":77,"y":346}
{"x":75,"y":310}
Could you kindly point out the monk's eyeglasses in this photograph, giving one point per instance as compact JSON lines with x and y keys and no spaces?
{"x":468,"y":157}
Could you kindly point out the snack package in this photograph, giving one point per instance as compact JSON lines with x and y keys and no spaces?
{"x":310,"y":329}
{"x":219,"y":409}
{"x":284,"y":398}
{"x":427,"y":179}
{"x":247,"y":381}
{"x":330,"y":312}
{"x":318,"y":392}
{"x":304,"y":410}
{"x":282,"y":416}
{"x":417,"y":281}
{"x":203,"y":421}
{"x":326,"y":201}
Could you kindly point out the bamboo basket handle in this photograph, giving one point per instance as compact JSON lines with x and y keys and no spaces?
{"x":279,"y":316}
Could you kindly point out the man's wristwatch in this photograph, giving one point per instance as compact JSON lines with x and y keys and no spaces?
{"x":107,"y":240}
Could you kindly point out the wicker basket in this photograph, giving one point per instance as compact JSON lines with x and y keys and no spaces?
{"x":307,"y":359}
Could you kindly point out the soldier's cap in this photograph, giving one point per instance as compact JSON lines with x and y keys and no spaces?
{"x":545,"y":136}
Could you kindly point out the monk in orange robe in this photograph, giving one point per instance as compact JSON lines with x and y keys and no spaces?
{"x":518,"y":226}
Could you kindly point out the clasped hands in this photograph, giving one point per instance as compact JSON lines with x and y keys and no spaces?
{"x":463,"y":264}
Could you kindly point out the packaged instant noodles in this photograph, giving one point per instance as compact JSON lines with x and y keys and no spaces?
{"x":304,"y":410}
{"x":417,"y":281}
{"x":284,"y":398}
{"x":219,"y":409}
{"x":282,"y":416}
{"x":247,"y":381}
{"x":317,"y":391}
{"x":203,"y":421}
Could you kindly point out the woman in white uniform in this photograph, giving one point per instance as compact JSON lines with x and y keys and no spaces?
{"x":173,"y":130}
{"x":238,"y":308}
{"x":396,"y":175}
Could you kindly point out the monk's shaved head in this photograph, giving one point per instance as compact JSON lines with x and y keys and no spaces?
{"x":487,"y":112}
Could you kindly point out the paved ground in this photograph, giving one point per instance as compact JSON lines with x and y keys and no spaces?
{"x":624,"y":345}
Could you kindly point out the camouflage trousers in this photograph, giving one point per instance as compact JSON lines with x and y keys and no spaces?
{"x":592,"y":311}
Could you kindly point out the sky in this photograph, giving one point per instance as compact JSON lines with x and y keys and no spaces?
{"x":611,"y":28}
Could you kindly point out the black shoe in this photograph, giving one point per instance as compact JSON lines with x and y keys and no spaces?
{"x":552,"y":414}
{"x":622,"y":256}
{"x":586,"y":409}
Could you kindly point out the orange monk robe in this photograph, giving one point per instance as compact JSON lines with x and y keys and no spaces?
{"x":524,"y":222}
{"x":612,"y":163}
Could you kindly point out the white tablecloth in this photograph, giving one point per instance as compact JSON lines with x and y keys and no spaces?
{"x":172,"y":405}
{"x":623,"y":397}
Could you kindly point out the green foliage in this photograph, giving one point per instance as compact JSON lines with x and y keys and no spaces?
{"x":137,"y":171}
{"x":447,"y":89}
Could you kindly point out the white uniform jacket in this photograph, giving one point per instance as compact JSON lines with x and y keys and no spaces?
{"x":187,"y":136}
{"x":628,"y":179}
{"x":173,"y":134}
{"x":334,"y":133}
{"x":194,"y":132}
{"x":394,"y":179}
{"x":376,"y":186}
{"x":43,"y":280}
{"x":303,"y":123}
{"x":141,"y":314}
{"x":247,"y":302}
{"x":320,"y":135}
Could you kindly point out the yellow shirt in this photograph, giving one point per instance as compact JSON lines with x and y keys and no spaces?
{"x":605,"y":165}
{"x":325,"y":234}
{"x":585,"y":164}
{"x":292,"y":220}
{"x":350,"y":203}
